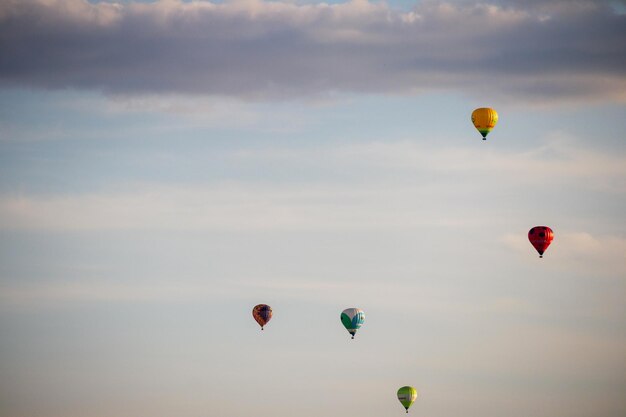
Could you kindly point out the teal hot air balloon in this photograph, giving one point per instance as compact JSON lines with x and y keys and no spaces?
{"x":407,"y":396}
{"x":352,"y":319}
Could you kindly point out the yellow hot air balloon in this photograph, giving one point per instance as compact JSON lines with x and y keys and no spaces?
{"x":484,"y":120}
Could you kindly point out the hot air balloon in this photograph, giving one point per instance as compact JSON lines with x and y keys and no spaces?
{"x":540,"y":237}
{"x":262,"y":313}
{"x":407,"y":396}
{"x":484,"y":120}
{"x":352,"y":319}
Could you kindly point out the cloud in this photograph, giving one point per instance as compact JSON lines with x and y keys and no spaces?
{"x":596,"y":255}
{"x":395,"y":190}
{"x":226,"y":206}
{"x":18,"y":295}
{"x":274,"y":50}
{"x":557,"y":159}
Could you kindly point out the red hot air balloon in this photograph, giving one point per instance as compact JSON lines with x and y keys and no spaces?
{"x":540,"y":237}
{"x":262,"y":313}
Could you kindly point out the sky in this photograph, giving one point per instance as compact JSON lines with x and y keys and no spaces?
{"x":165,"y":166}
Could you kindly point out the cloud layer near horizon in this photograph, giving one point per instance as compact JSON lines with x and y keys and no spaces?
{"x":259,"y":50}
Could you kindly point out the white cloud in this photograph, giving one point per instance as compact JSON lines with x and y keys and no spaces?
{"x":597,"y":255}
{"x":330,"y":203}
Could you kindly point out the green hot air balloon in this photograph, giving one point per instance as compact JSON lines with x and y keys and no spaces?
{"x":407,"y":396}
{"x":352,"y":319}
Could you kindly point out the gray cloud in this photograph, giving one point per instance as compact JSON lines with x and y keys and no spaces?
{"x":255,"y":49}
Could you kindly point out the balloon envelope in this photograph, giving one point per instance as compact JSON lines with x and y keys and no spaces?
{"x":540,"y":237}
{"x":262,"y":313}
{"x":352,"y":319}
{"x":407,"y":396}
{"x":484,"y":119}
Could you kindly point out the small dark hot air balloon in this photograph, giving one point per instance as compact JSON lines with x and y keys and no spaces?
{"x":540,"y":237}
{"x":262,"y":313}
